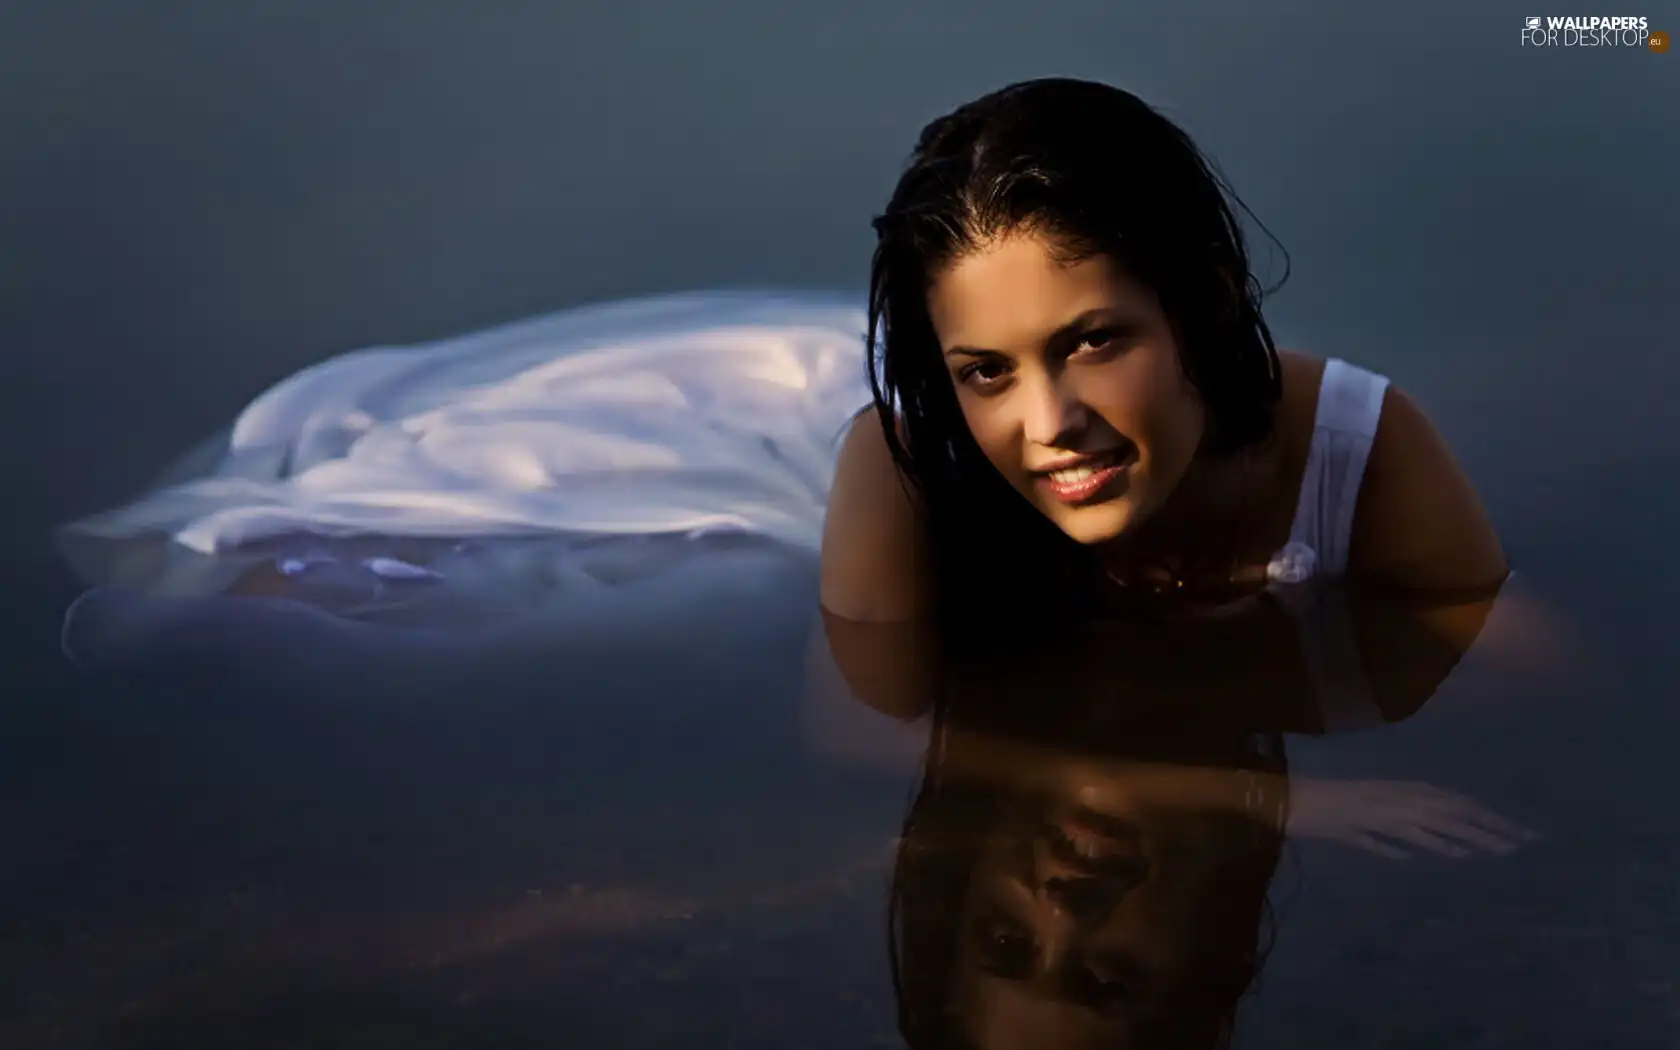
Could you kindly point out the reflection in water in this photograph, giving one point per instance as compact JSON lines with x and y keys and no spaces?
{"x":1101,"y":813}
{"x":1114,"y":897}
{"x":624,"y":844}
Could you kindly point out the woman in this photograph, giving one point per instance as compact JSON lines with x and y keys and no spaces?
{"x":1077,"y":400}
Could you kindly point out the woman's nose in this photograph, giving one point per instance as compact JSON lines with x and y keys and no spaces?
{"x":1054,"y":416}
{"x":1087,"y":899}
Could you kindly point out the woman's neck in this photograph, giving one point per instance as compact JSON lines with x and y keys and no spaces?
{"x":1211,"y":515}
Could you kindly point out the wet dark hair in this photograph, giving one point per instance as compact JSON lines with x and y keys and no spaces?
{"x":1094,"y":170}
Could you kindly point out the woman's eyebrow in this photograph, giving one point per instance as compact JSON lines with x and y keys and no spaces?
{"x":1062,"y":334}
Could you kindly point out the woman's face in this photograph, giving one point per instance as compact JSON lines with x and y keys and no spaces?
{"x":1087,"y":909}
{"x":1069,"y":379}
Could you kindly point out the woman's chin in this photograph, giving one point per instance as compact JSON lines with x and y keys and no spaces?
{"x":1096,"y":523}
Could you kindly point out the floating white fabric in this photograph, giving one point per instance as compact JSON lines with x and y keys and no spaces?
{"x":599,"y":446}
{"x":656,"y":415}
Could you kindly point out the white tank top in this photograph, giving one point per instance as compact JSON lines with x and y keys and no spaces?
{"x":1350,"y":403}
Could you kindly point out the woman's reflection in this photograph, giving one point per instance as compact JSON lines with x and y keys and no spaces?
{"x":1100,"y":815}
{"x":1116,"y":897}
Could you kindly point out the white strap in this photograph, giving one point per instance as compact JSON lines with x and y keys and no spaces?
{"x":1349,"y":408}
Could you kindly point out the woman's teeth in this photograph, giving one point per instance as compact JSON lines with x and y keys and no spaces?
{"x":1085,"y":481}
{"x":1074,"y":476}
{"x":1090,"y":847}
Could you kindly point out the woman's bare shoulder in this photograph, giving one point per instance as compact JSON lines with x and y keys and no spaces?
{"x":1419,"y":522}
{"x":873,"y":565}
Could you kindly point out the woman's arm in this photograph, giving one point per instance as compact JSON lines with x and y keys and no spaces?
{"x":875,"y":590}
{"x":874,"y":568}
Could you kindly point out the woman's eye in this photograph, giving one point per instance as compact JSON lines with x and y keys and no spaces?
{"x":1097,"y":340}
{"x":982,"y":373}
{"x":1007,"y":954}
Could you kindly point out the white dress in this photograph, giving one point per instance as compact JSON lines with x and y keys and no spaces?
{"x":523,"y":468}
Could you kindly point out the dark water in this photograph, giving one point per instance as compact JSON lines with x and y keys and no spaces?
{"x":664,"y":838}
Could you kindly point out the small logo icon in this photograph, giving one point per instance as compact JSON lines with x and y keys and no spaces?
{"x":1657,"y":41}
{"x":1531,"y":23}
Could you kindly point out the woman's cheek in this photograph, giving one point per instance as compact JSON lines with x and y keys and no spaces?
{"x":990,"y":433}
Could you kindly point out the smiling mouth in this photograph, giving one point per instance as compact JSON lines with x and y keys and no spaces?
{"x":1089,"y":479}
{"x":1085,"y":844}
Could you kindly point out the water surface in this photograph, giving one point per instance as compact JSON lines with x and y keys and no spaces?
{"x":659,"y":838}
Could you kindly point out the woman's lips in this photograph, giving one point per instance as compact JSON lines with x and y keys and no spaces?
{"x":1084,"y":844}
{"x":1089,"y":480}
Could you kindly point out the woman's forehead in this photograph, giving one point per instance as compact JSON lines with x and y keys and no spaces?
{"x":1013,"y":294}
